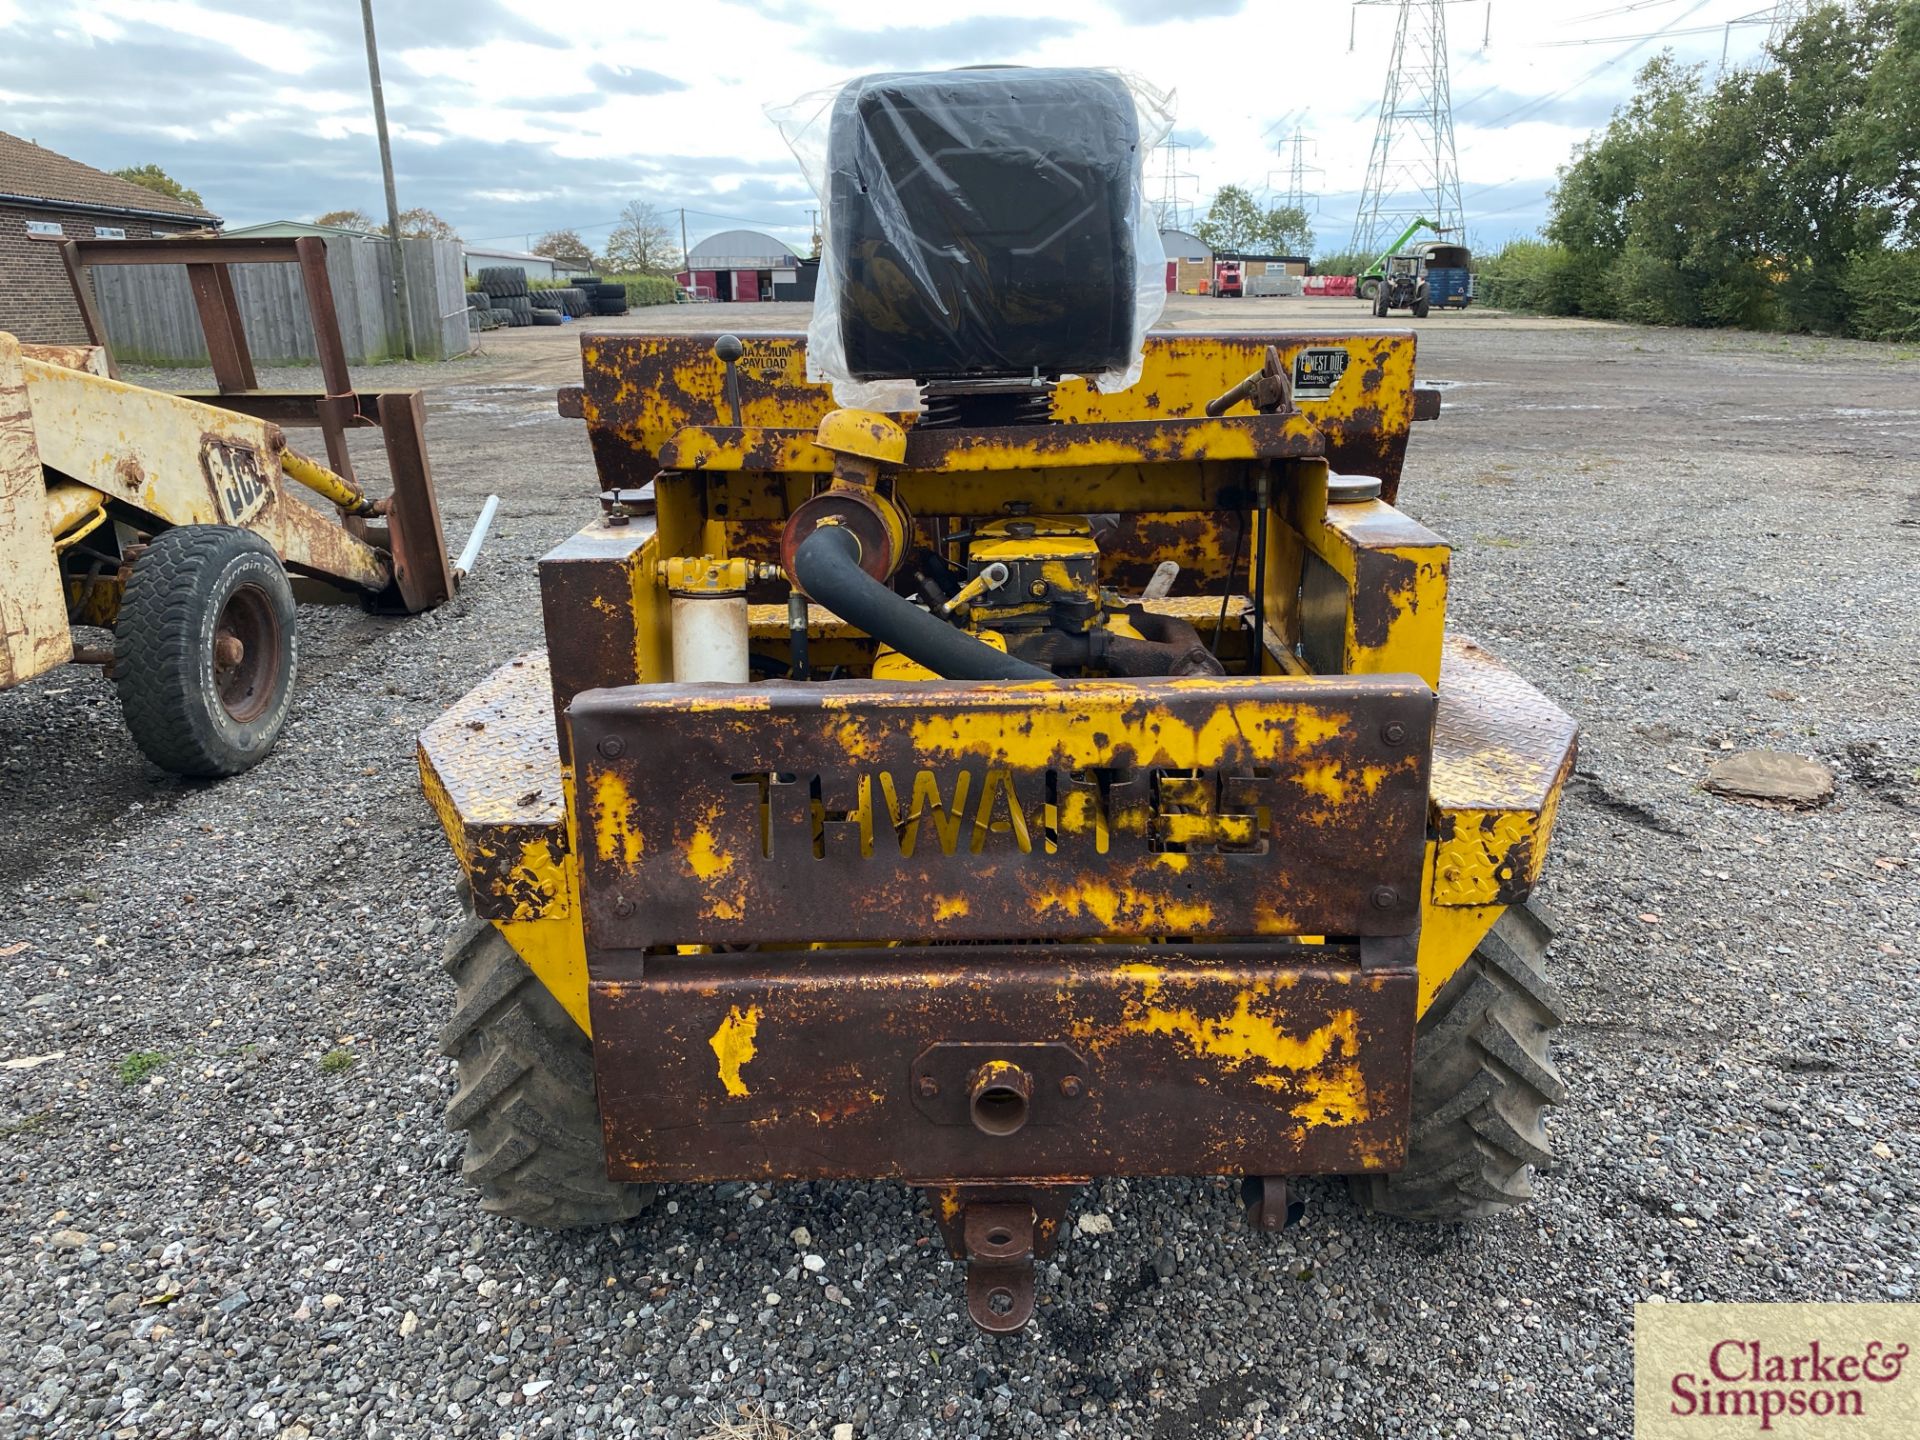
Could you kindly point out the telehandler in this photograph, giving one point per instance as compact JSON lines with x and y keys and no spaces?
{"x":1020,"y":785}
{"x":175,"y":524}
{"x":177,"y":520}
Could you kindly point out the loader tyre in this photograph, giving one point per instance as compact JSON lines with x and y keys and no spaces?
{"x":526,"y":1101}
{"x":1482,"y":1081}
{"x":203,"y":650}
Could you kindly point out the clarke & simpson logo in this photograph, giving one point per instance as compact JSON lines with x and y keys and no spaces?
{"x":1713,"y":1371}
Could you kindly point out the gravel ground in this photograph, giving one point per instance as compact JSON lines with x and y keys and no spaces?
{"x":229,"y":1208}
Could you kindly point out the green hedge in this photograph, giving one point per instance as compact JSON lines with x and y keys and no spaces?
{"x":1875,"y":296}
{"x":1533,"y":275}
{"x":1882,"y":290}
{"x":646,"y":289}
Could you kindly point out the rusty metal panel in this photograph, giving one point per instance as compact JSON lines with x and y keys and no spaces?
{"x":871,"y":812}
{"x":422,"y":570}
{"x":639,"y":391}
{"x":1502,"y":753}
{"x":1274,"y":1060}
{"x":34,"y":636}
{"x":490,"y":767}
{"x":594,"y":626}
{"x":90,"y":358}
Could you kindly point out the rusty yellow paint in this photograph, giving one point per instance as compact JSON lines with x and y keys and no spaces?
{"x":34,"y":637}
{"x":950,"y":907}
{"x":1181,"y":372}
{"x":732,"y":1046}
{"x":555,"y":950}
{"x":1098,"y":720}
{"x":1124,"y":910}
{"x":1415,"y":598}
{"x":705,"y":858}
{"x":615,"y":835}
{"x":1245,"y":1038}
{"x":698,"y":449}
{"x":1448,"y":935}
{"x":865,"y":433}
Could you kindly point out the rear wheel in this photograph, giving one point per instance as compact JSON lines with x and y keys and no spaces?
{"x":1482,"y":1081}
{"x":1367,"y":289}
{"x":1380,"y":299}
{"x":203,"y":650}
{"x":526,"y":1097}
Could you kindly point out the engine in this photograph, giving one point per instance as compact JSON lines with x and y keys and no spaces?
{"x":1030,"y":587}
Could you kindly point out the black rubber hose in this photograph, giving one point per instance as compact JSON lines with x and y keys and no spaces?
{"x":827,"y":565}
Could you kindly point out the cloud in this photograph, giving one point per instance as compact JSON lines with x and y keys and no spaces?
{"x":1578,"y":111}
{"x":1192,"y":139}
{"x":406,"y":24}
{"x":1155,"y":12}
{"x":620,"y":80}
{"x":980,"y":40}
{"x":553,"y":104}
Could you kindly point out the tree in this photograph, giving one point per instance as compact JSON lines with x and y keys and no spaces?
{"x":422,"y":224}
{"x":1286,"y":230}
{"x":1235,"y":222}
{"x":152,"y":177}
{"x":642,"y":244}
{"x":349,"y":220}
{"x":563,"y":245}
{"x":418,"y":223}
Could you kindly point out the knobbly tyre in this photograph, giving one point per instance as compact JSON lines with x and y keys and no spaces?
{"x":1028,"y":784}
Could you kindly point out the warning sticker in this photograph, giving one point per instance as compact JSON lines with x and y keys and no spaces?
{"x":1316,"y":372}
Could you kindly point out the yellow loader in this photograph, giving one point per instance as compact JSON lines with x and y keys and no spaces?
{"x":1026,"y":783}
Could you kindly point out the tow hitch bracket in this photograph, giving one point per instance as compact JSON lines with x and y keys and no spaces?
{"x":999,"y":1245}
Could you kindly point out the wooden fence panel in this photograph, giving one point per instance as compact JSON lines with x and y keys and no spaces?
{"x":151,"y":320}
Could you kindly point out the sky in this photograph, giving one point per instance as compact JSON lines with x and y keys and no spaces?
{"x":511,"y":118}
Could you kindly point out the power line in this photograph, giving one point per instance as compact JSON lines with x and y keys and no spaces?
{"x":1620,"y":10}
{"x":1616,"y":39}
{"x":1545,"y":100}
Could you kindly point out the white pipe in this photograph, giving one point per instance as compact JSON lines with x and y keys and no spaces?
{"x":471,"y":550}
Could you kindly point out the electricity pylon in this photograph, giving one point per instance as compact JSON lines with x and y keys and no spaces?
{"x":1169,"y":209}
{"x":1786,"y":15}
{"x":1413,"y":171}
{"x":1294,"y":147}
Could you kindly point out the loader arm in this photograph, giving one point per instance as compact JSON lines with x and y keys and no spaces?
{"x":179,"y":462}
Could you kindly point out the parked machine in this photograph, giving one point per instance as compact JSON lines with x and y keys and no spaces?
{"x":1403,"y":287}
{"x":1448,"y":271}
{"x":1227,"y":279}
{"x":177,"y":522}
{"x":1030,"y":785}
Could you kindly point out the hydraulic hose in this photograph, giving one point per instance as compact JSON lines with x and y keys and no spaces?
{"x":827,"y":565}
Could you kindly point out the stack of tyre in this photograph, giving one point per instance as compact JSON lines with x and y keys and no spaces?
{"x":480,"y":311}
{"x":607,"y":298}
{"x":558,"y":302}
{"x":506,"y":289}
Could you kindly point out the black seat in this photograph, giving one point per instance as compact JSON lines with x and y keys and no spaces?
{"x":980,"y":223}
